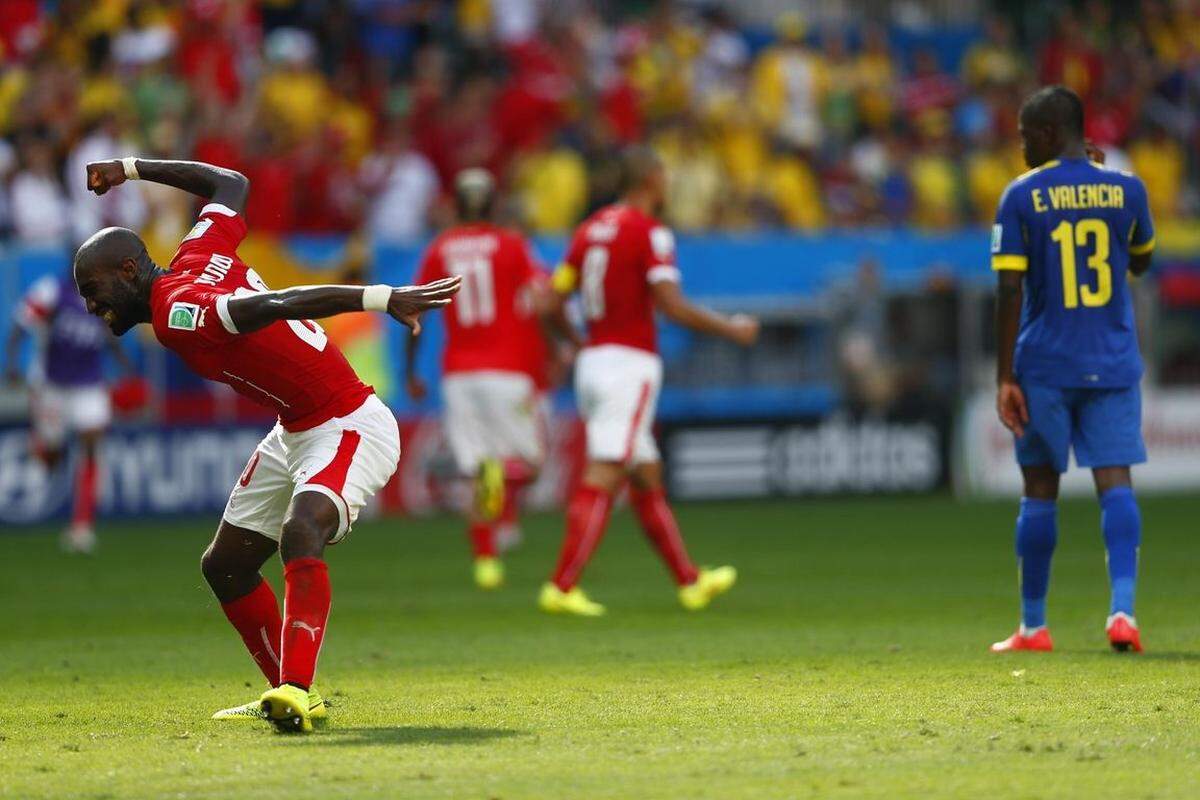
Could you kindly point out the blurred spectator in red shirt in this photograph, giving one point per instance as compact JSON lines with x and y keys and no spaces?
{"x":929,"y":88}
{"x":271,"y":207}
{"x":1069,"y":59}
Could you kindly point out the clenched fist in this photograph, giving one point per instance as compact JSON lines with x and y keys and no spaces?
{"x":104,"y":175}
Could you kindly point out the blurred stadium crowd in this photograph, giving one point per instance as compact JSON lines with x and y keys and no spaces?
{"x":352,"y":115}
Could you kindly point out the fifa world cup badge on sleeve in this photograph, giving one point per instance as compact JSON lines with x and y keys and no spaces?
{"x":184,"y":316}
{"x":997,"y":234}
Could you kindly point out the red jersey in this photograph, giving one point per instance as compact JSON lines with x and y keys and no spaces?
{"x":492,"y":324}
{"x":289,"y":366}
{"x":614,"y":256}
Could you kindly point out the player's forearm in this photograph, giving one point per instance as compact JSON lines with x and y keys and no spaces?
{"x":1139,"y":264}
{"x":555,"y":323}
{"x":410,"y":356}
{"x":220,"y":185}
{"x":1008,"y":320}
{"x":256,"y":311}
{"x":697,"y":318}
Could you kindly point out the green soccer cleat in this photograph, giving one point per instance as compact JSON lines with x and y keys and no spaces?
{"x":253,"y":710}
{"x":708,"y":584}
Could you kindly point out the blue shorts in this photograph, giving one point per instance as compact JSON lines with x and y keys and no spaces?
{"x":1104,"y":426}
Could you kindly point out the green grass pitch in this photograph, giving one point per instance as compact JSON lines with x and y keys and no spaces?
{"x":850,"y":662}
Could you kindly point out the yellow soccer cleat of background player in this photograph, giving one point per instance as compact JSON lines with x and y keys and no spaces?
{"x":489,"y":573}
{"x":489,"y":490}
{"x":553,"y":600}
{"x":253,"y":710}
{"x":708,"y":584}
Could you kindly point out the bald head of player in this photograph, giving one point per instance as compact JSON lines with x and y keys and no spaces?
{"x":1051,"y":125}
{"x":113,"y":273}
{"x":474,"y":195}
{"x":643,"y":179}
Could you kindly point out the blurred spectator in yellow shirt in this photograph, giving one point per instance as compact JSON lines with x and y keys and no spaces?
{"x":993,"y":60}
{"x":839,"y":107}
{"x":295,"y":96}
{"x":1159,"y":161}
{"x":795,"y":192}
{"x":694,"y":178}
{"x":662,"y":67}
{"x":934,"y":176}
{"x":348,"y":118}
{"x":875,"y":78}
{"x":741,"y":146}
{"x":788,"y":86}
{"x":990,"y":168}
{"x":552,"y":188}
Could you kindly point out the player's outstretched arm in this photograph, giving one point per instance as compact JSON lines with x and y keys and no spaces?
{"x":217,"y":184}
{"x":739,"y":328}
{"x":404,"y":303}
{"x":1010,"y":400}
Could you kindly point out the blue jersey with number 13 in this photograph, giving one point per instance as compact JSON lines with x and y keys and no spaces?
{"x":1070,"y":226}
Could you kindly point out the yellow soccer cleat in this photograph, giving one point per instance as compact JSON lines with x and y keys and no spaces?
{"x":489,"y":490}
{"x":253,"y":710}
{"x":287,"y":708}
{"x":553,"y":600}
{"x":489,"y":573}
{"x":708,"y":584}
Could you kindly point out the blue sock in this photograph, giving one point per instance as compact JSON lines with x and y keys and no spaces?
{"x":1122,"y":525}
{"x":1037,"y":534}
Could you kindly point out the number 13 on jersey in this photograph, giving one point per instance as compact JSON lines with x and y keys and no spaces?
{"x":1091,"y":233}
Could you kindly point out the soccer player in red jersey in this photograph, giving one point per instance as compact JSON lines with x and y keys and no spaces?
{"x":493,"y":364}
{"x":622,"y":262}
{"x":335,"y":443}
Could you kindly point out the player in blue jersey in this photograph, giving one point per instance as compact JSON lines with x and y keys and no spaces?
{"x":1068,"y":235}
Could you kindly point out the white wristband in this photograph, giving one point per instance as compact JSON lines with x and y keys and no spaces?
{"x":376,"y":298}
{"x":130,"y":165}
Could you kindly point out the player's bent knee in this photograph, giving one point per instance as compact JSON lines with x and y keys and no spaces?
{"x":313,"y":521}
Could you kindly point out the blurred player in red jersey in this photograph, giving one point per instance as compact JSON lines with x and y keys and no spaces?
{"x":493,"y":364}
{"x":335,"y":443}
{"x":622,"y":262}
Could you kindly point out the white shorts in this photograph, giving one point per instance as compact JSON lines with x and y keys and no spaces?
{"x":493,"y":414}
{"x":59,"y":410}
{"x":347,"y":459}
{"x":617,"y":388}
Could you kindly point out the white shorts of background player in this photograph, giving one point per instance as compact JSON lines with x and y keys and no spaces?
{"x":617,"y":390}
{"x":60,"y":410}
{"x":493,"y":414}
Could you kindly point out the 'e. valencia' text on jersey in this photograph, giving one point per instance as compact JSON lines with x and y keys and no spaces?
{"x":1071,"y":226}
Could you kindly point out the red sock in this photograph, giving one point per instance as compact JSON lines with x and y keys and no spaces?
{"x":483,"y":540}
{"x":305,"y":611}
{"x":587,"y":517}
{"x":256,"y":617}
{"x":517,"y":475}
{"x":84,"y":511}
{"x":512,"y":501}
{"x":658,"y":522}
